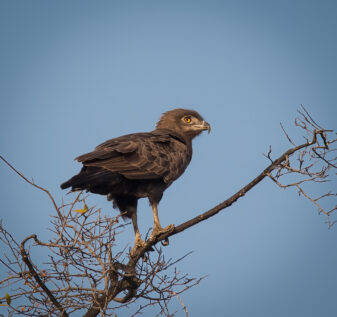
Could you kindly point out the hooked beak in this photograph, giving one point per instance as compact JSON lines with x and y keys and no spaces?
{"x":203,"y":126}
{"x":206,"y":126}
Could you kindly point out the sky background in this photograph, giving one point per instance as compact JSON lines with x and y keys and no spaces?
{"x":76,"y":73}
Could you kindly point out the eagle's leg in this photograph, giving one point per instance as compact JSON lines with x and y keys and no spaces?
{"x":138,"y":240}
{"x":157,"y":228}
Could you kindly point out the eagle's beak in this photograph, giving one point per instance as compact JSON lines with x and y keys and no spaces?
{"x":201,"y":127}
{"x":206,"y":126}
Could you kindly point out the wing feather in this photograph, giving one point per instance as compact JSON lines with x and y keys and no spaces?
{"x":141,"y":156}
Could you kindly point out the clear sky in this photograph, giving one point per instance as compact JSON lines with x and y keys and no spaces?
{"x":76,"y":73}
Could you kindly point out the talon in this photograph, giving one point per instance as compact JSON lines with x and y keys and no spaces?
{"x":139,"y":243}
{"x":159,"y":230}
{"x":165,"y":243}
{"x":169,"y":227}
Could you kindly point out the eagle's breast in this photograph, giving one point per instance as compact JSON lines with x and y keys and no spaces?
{"x":178,"y":156}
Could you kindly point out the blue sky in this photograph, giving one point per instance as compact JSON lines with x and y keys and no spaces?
{"x":76,"y":73}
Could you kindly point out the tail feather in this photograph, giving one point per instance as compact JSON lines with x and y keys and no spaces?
{"x":66,"y":184}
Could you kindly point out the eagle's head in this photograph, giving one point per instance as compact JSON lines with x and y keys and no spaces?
{"x":187,"y":122}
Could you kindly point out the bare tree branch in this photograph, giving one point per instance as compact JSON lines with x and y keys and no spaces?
{"x":32,"y":271}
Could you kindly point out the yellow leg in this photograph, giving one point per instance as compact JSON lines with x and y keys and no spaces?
{"x":138,"y":239}
{"x":157,"y":226}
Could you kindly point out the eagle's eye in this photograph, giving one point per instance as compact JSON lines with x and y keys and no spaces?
{"x":188,"y":119}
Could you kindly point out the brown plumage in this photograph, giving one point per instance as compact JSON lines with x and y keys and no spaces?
{"x":140,"y":165}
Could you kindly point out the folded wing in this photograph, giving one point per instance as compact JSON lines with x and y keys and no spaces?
{"x":136,"y":156}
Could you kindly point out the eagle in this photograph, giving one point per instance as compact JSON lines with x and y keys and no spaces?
{"x":140,"y":165}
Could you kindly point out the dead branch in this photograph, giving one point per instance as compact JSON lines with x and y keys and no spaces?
{"x":32,"y":271}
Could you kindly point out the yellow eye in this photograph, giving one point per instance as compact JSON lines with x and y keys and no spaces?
{"x":187,"y":119}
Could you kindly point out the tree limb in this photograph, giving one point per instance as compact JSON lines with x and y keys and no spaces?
{"x":33,"y":273}
{"x":228,"y":202}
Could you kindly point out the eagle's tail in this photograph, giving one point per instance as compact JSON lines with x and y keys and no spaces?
{"x":77,"y":182}
{"x":66,"y":184}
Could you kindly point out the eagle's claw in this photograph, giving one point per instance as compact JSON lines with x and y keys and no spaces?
{"x":139,"y":243}
{"x":159,"y":230}
{"x":165,"y":242}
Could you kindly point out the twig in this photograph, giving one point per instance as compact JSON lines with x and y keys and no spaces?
{"x":33,"y":184}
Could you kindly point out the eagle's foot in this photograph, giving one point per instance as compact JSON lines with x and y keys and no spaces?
{"x":157,"y":230}
{"x":139,"y":243}
{"x":165,"y":242}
